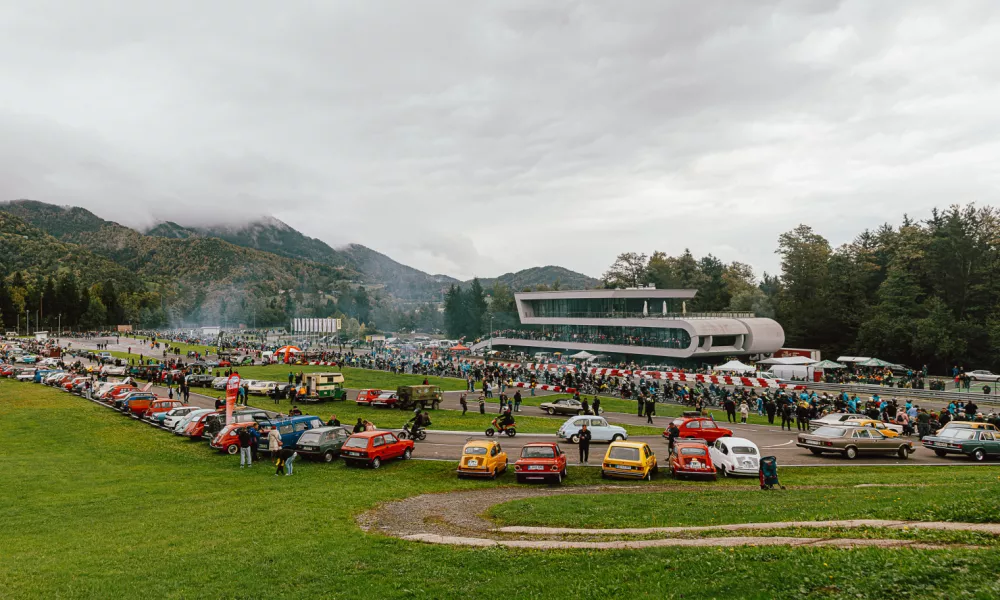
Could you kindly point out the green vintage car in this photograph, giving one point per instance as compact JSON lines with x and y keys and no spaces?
{"x":322,"y":443}
{"x":977,"y":443}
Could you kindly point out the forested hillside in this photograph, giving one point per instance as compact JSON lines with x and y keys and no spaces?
{"x":922,"y":292}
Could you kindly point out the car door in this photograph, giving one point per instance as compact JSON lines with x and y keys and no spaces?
{"x":989,"y":442}
{"x":378,"y":448}
{"x":393,"y":448}
{"x":648,"y":453}
{"x":691,"y":429}
{"x":600,"y":428}
{"x":861,"y":439}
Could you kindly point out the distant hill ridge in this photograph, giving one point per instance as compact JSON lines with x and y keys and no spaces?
{"x":267,"y":236}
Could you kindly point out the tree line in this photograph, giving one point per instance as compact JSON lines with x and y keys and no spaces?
{"x":923,"y":292}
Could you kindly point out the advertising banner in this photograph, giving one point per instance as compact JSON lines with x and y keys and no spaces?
{"x":232,"y":390}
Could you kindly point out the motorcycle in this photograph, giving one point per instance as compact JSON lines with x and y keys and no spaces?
{"x":404,"y":434}
{"x":500,"y":428}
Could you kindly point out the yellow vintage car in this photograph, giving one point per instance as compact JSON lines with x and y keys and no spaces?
{"x":886,"y":429}
{"x":482,"y":458}
{"x":629,"y":460}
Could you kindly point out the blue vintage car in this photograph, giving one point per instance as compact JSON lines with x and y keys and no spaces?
{"x":292,"y":428}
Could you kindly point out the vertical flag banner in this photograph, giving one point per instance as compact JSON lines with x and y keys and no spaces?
{"x":232,"y":390}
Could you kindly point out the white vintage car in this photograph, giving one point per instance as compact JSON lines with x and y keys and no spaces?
{"x":600,"y":430}
{"x":735,"y":456}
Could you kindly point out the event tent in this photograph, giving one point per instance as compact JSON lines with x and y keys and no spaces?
{"x":787,"y":360}
{"x":875,"y":362}
{"x":734,"y":365}
{"x":582,"y":355}
{"x":459,"y":348}
{"x":828,"y":364}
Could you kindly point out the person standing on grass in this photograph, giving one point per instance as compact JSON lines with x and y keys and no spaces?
{"x":596,"y":404}
{"x":482,"y":405}
{"x":463,"y":403}
{"x":585,"y":437}
{"x":730,"y":406}
{"x":744,"y":412}
{"x":517,"y":400}
{"x":254,"y":442}
{"x":246,"y":458}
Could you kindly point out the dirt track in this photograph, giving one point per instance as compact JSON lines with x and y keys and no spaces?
{"x":455,"y":519}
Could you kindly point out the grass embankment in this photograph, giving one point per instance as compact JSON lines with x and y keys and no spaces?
{"x":99,"y":506}
{"x":970,"y":494}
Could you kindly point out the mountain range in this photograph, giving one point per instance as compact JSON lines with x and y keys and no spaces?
{"x":264,"y":253}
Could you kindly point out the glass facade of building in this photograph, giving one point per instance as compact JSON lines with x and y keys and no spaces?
{"x":652,"y":337}
{"x":604,"y":308}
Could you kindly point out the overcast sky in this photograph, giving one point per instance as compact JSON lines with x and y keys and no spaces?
{"x":475,"y":138}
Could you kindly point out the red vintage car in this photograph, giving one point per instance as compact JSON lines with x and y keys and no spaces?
{"x":541,"y":460}
{"x":228,"y":439}
{"x":196,"y":428}
{"x":160,"y":405}
{"x":699,"y":428}
{"x":690,"y":458}
{"x":365,"y":397}
{"x":120,"y":391}
{"x":372,"y":448}
{"x":6,"y":370}
{"x":385,"y":400}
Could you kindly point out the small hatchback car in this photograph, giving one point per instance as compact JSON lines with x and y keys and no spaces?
{"x":541,"y":460}
{"x":629,"y":460}
{"x":482,"y":459}
{"x":691,"y":458}
{"x":372,"y":448}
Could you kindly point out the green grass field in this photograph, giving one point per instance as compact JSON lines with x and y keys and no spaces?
{"x":96,"y":505}
{"x":970,"y":494}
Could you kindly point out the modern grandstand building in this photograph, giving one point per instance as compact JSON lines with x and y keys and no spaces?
{"x":645,"y":324}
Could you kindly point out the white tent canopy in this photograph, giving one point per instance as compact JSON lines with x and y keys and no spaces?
{"x":582,"y":355}
{"x":788,"y":360}
{"x":734,"y":365}
{"x":853,"y":359}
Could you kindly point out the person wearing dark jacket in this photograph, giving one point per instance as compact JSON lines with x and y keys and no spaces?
{"x":246,"y":442}
{"x":359,"y":426}
{"x":730,"y":405}
{"x":597,"y":405}
{"x":585,"y":437}
{"x":650,"y":409}
{"x":786,"y":415}
{"x":672,"y":432}
{"x":334,"y":421}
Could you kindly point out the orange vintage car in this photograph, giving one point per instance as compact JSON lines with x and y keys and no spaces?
{"x":365,"y":397}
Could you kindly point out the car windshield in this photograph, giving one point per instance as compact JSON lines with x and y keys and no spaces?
{"x":311,"y":437}
{"x":623,"y":453}
{"x":830,"y":432}
{"x":693,"y":451}
{"x":538,"y":452}
{"x":478,"y":450}
{"x":745,"y":450}
{"x":356,"y":443}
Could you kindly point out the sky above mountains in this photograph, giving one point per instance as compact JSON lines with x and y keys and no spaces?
{"x":476,"y":138}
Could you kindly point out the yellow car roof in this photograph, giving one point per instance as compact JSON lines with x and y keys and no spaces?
{"x":479,"y":444}
{"x":623,"y":444}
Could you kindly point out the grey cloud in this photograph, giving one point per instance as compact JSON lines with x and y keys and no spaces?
{"x":478,"y":138}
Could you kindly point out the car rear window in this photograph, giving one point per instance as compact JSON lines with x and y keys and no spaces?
{"x":622,"y":453}
{"x":830,"y":432}
{"x":477,"y":450}
{"x":310,"y":437}
{"x":745,"y":450}
{"x":356,"y":443}
{"x":538,"y":452}
{"x":693,"y":451}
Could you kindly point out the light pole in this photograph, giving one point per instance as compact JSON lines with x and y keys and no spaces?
{"x":491,"y":332}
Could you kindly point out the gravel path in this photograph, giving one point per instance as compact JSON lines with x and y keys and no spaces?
{"x":455,"y":518}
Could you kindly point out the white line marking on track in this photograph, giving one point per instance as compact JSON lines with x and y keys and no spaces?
{"x":779,"y":445}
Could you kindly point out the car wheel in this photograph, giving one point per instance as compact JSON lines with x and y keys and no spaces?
{"x":603,"y":474}
{"x":979,"y":455}
{"x":407,"y":454}
{"x":376,"y":462}
{"x":559,"y":478}
{"x":574,"y":439}
{"x":550,"y":411}
{"x":520,"y":479}
{"x":232,"y":449}
{"x":328,"y":456}
{"x":617,"y":437}
{"x":816,"y":451}
{"x":941,"y":453}
{"x":851,"y":452}
{"x":649,"y":475}
{"x":723,"y":471}
{"x":496,"y":473}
